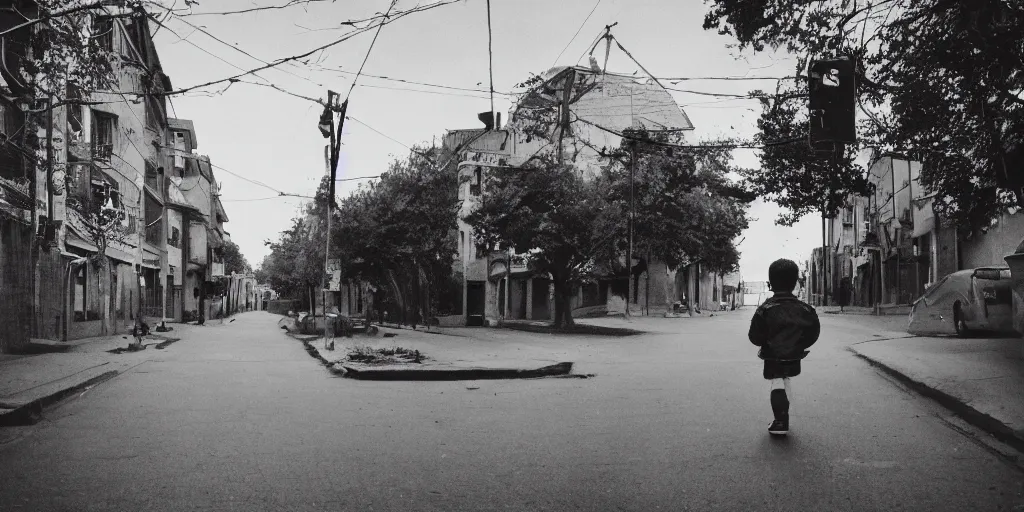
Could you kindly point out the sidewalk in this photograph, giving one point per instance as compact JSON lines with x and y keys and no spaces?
{"x":31,"y":382}
{"x":899,"y":311}
{"x":981,"y":380}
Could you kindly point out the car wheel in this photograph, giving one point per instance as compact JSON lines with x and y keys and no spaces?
{"x":959,"y":322}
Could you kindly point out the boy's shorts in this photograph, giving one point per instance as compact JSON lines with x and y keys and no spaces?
{"x":781,"y":369}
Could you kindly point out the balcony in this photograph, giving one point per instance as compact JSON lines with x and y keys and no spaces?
{"x":102,"y":152}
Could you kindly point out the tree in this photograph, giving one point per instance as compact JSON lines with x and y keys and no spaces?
{"x":234,"y":261}
{"x":399,"y":232}
{"x":792,"y":174}
{"x":261,"y":274}
{"x":939,"y":81}
{"x":686,"y":208}
{"x":555,"y":215}
{"x":295,"y":266}
{"x":100,"y":215}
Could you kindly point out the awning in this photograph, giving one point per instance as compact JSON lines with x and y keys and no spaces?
{"x":214,"y":239}
{"x":75,"y":240}
{"x":151,"y":263}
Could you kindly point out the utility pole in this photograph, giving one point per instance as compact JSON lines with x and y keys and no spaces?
{"x":490,"y":63}
{"x":327,"y":129}
{"x":824,"y":262}
{"x":629,"y":247}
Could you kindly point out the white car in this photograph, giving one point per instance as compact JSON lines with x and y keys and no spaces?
{"x":966,"y":302}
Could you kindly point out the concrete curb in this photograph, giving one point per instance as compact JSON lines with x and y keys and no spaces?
{"x":434,"y":373}
{"x":994,"y":427}
{"x":397,"y":327}
{"x":578,"y":330}
{"x":29,"y":412}
{"x":449,"y":374}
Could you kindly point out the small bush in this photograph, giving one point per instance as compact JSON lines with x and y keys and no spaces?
{"x":370,"y":355}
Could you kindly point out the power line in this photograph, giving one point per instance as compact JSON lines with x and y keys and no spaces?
{"x":343,"y":38}
{"x":258,"y":199}
{"x":233,"y":47}
{"x":693,"y":146}
{"x":426,"y":92}
{"x":254,"y":182}
{"x":359,"y":178}
{"x":413,"y":82}
{"x":290,"y":3}
{"x":382,"y":134}
{"x":368,"y":50}
{"x":772,"y":78}
{"x":576,"y":34}
{"x":714,"y":94}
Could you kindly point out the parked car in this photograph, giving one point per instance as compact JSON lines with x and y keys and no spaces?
{"x":966,"y":302}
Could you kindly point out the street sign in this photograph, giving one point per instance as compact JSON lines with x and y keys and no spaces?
{"x":832,"y":102}
{"x":334,"y":275}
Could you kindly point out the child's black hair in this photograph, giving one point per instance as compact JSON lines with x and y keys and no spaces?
{"x":783,"y":275}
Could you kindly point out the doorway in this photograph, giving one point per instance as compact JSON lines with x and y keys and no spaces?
{"x":475,"y":299}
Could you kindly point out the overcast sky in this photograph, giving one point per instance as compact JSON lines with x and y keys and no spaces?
{"x":271,"y":137}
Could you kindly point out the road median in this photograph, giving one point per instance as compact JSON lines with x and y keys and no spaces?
{"x":417,"y":360}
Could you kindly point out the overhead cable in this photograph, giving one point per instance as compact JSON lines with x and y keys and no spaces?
{"x":343,"y":38}
{"x":233,"y":47}
{"x":370,"y":49}
{"x":691,"y":146}
{"x":585,"y":20}
{"x":413,"y":82}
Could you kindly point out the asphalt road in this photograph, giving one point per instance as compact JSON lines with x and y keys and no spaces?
{"x":242,"y":418}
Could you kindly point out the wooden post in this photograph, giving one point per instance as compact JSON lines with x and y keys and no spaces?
{"x":570,"y":80}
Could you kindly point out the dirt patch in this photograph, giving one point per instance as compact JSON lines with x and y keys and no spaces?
{"x":393,"y":355}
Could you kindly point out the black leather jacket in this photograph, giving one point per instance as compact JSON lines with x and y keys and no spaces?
{"x":784,"y":327}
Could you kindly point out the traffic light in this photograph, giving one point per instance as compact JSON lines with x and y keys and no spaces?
{"x":832,"y":96}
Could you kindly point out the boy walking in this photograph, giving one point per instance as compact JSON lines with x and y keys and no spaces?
{"x":784,"y":327}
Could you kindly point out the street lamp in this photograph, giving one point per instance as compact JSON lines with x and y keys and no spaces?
{"x":326,"y":122}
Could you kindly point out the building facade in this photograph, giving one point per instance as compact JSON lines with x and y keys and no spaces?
{"x":93,"y":222}
{"x":99,"y":195}
{"x":889,"y":246}
{"x":197,"y":227}
{"x":497,"y":284}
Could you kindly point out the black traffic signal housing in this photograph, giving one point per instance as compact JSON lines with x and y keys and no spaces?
{"x":832,"y":99}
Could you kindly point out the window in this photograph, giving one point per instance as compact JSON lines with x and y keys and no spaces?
{"x":100,"y":192}
{"x":474,"y":185}
{"x":103,"y":32}
{"x":153,"y":177}
{"x":848,"y":216}
{"x":155,"y":234}
{"x":10,"y":159}
{"x":175,"y":239}
{"x":104,"y":130}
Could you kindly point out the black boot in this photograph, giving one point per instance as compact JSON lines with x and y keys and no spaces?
{"x":780,"y":407}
